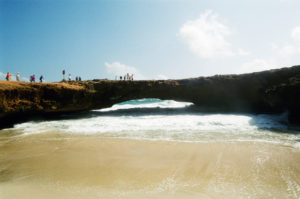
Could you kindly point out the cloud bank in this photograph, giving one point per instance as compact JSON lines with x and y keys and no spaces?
{"x":295,"y":33}
{"x":292,"y":48}
{"x":257,"y":65}
{"x":207,"y":37}
{"x":286,"y":54}
{"x":161,"y":77}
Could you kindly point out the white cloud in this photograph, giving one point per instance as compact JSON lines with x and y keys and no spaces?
{"x":285,"y":1}
{"x":296,"y":33}
{"x":206,"y":36}
{"x":242,"y":52}
{"x":118,"y":69}
{"x":289,"y":49}
{"x":161,"y":77}
{"x":258,"y":65}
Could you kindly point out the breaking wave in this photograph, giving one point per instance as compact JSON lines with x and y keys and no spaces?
{"x":169,"y":120}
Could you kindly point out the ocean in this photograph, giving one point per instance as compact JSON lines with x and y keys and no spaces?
{"x":151,"y":148}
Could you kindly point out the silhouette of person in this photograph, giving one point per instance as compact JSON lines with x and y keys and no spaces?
{"x":8,"y":76}
{"x":18,"y":77}
{"x":63,"y":72}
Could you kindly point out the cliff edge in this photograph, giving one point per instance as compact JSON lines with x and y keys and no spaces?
{"x":272,"y":91}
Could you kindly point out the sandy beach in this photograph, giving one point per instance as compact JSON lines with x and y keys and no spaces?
{"x":54,"y":166}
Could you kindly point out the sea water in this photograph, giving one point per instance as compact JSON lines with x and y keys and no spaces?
{"x":151,"y":148}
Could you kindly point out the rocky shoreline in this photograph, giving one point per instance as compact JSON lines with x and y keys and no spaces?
{"x":273,"y":91}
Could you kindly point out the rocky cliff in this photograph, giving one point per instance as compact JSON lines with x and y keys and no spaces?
{"x":271,"y":91}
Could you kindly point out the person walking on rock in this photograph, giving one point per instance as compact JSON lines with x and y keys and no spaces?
{"x":32,"y":78}
{"x":18,"y":77}
{"x":8,"y":76}
{"x":63,"y":72}
{"x":69,"y":77}
{"x":41,"y":78}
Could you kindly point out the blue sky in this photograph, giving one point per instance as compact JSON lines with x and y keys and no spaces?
{"x":155,"y":39}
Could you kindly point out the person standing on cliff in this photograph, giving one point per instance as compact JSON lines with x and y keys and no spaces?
{"x":63,"y":72}
{"x":127,"y":76}
{"x":32,"y":78}
{"x":18,"y":77}
{"x":8,"y":76}
{"x":69,"y":77}
{"x":41,"y":78}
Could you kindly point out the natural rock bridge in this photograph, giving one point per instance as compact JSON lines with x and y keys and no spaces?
{"x":272,"y":91}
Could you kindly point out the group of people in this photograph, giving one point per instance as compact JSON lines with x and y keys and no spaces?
{"x":77,"y":78}
{"x":9,"y":75}
{"x":126,"y":77}
{"x":32,"y":77}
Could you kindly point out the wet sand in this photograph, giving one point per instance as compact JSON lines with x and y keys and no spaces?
{"x":55,"y":166}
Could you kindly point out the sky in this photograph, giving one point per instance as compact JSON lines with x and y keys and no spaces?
{"x":152,"y":39}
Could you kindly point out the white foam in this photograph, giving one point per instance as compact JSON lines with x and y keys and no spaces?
{"x":177,"y":127}
{"x":153,"y":103}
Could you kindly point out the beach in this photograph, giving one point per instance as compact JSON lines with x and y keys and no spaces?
{"x":140,"y":99}
{"x":90,"y":167}
{"x":151,"y":149}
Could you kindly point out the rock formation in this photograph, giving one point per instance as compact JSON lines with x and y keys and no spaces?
{"x":273,"y":91}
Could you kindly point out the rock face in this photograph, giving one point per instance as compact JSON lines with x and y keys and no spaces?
{"x":273,"y":91}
